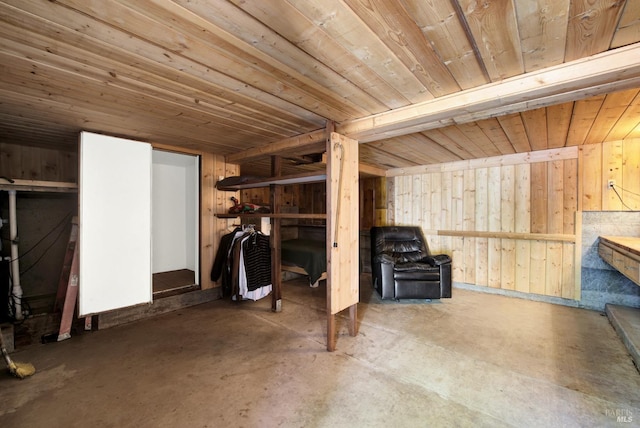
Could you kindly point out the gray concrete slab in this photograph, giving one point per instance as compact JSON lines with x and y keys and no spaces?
{"x":626,"y":321}
{"x":471,"y":361}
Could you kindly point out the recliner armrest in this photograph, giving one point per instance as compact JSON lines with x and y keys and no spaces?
{"x":384,"y":258}
{"x":437,"y":260}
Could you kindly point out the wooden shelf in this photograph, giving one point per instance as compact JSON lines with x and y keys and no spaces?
{"x":39,"y":186}
{"x":307,"y":177}
{"x":272,"y":215}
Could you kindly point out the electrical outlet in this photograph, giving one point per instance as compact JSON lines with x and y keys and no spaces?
{"x":611,"y":184}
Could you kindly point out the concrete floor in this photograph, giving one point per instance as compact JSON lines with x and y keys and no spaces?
{"x":471,"y":361}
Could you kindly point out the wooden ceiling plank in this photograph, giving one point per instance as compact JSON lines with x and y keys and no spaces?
{"x":535,"y":124}
{"x":542,"y":26}
{"x":392,"y":24}
{"x":495,"y":133}
{"x":252,"y":71}
{"x":305,"y":72}
{"x":592,"y":24}
{"x":629,"y":26}
{"x":627,"y":122}
{"x":612,"y":109}
{"x":514,"y":129}
{"x":85,"y":116}
{"x":295,"y":41}
{"x":194,"y":104}
{"x":584,"y":113}
{"x":414,"y":149}
{"x":456,"y":134}
{"x":495,"y":29}
{"x":344,"y":26}
{"x":50,"y":83}
{"x":53,"y":20}
{"x":285,"y":145}
{"x":579,"y":79}
{"x":439,"y":137}
{"x":558,"y":122}
{"x":475,"y":133}
{"x":441,"y":26}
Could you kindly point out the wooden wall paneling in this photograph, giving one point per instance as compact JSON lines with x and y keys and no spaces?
{"x":210,"y":232}
{"x":367,"y":203}
{"x":611,"y":170}
{"x":419,"y":201}
{"x":523,"y":225}
{"x":446,"y":212}
{"x":555,"y":224}
{"x":539,"y":197}
{"x":494,"y":258}
{"x":631,"y":174}
{"x":570,"y":256}
{"x":568,"y":271}
{"x":537,"y":278}
{"x":11,"y":160}
{"x":469,"y":224}
{"x":570,"y":189}
{"x":392,"y":200}
{"x":403,"y":192}
{"x":381,"y":204}
{"x":435,"y":209}
{"x":591,"y":179}
{"x":507,"y":224}
{"x":482,"y":223}
{"x":457,"y":223}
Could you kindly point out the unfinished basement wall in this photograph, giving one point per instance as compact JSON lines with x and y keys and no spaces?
{"x":43,"y":218}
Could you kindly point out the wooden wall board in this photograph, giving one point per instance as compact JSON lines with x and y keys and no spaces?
{"x":342,"y":224}
{"x":631,"y":174}
{"x":508,"y":220}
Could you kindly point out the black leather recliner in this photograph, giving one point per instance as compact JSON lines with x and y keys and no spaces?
{"x":403,"y":268}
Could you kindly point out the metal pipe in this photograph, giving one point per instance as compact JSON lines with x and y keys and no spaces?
{"x":15,"y":264}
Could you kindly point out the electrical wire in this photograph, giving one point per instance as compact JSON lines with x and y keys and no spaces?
{"x":44,"y":252}
{"x":620,"y":197}
{"x":625,"y":190}
{"x":65,"y":219}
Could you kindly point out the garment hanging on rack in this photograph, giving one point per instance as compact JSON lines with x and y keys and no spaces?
{"x":243,"y":261}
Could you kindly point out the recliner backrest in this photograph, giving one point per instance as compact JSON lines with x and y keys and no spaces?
{"x":402,"y":243}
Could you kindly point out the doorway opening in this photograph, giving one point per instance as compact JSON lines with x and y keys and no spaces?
{"x":175,"y":223}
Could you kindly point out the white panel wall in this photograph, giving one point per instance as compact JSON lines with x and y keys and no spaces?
{"x":115,"y":223}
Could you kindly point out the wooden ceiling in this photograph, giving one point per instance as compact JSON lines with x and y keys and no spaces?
{"x":234,"y":76}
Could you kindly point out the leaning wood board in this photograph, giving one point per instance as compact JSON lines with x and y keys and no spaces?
{"x":342,"y":232}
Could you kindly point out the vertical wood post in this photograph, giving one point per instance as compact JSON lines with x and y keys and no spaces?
{"x":276,"y":201}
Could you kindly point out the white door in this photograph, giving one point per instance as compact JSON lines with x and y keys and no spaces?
{"x":115,"y":223}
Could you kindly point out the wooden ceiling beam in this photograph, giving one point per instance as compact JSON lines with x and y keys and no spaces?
{"x":606,"y":72}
